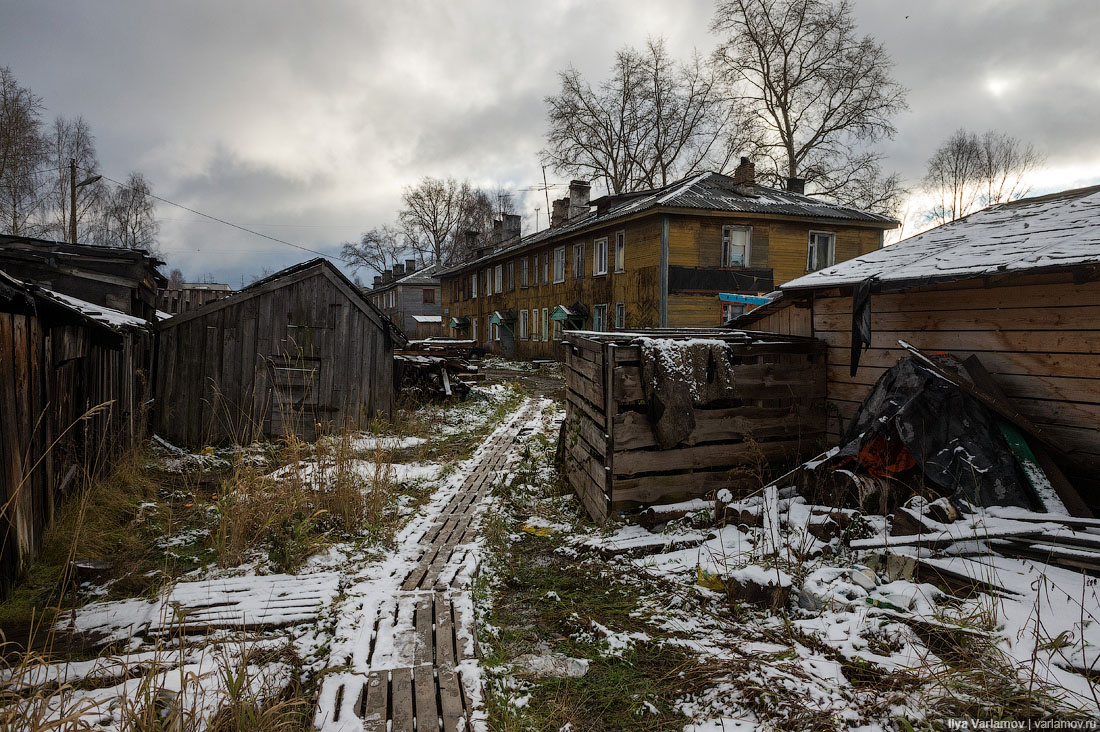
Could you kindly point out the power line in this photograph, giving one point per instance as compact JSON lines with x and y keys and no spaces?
{"x":222,"y":221}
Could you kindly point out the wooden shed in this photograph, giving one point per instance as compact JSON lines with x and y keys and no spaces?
{"x":74,"y":380}
{"x":300,"y":352}
{"x":768,"y":413}
{"x":1016,"y":285}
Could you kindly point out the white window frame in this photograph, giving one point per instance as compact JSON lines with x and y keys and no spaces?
{"x":620,"y":315}
{"x":473,"y":285}
{"x":496,"y":332}
{"x":727,"y":249}
{"x":599,"y":318}
{"x":546,"y":267}
{"x":534,"y":326}
{"x":578,"y":260}
{"x":510,"y":276}
{"x":523,"y":324}
{"x":559,"y":265}
{"x":498,"y":279}
{"x":813,"y":262}
{"x":546,"y":321}
{"x":620,"y":251}
{"x":599,"y":257}
{"x":730,"y":310}
{"x":523,"y":282}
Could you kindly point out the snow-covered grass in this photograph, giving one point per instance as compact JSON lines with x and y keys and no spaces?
{"x":193,"y":545}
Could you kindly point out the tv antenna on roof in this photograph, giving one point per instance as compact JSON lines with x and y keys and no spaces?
{"x":545,"y":188}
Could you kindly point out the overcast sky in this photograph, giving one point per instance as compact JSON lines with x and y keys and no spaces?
{"x":304,"y":120}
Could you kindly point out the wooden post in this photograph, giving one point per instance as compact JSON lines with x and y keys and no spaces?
{"x":72,"y":200}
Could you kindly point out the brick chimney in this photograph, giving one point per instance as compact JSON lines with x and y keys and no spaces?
{"x":387,"y":275}
{"x":745,"y":174}
{"x":377,"y":281}
{"x":398,"y":271}
{"x":579,"y":195}
{"x":560,"y":213}
{"x":512,"y":225}
{"x":796,"y":185}
{"x":410,"y":266}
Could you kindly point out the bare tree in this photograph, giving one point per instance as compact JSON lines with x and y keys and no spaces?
{"x":377,"y":250}
{"x":22,"y":154}
{"x":970,"y":171}
{"x":820,"y":93}
{"x":72,"y":139}
{"x":653,"y":121}
{"x":129,"y":216}
{"x":437,"y":213}
{"x":175,"y":279}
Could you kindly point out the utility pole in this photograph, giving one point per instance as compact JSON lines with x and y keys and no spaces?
{"x":72,"y":200}
{"x":73,"y":185}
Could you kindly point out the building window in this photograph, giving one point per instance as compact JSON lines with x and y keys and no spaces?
{"x":599,"y":318}
{"x":546,"y":312}
{"x":510,"y":282}
{"x":731,"y":310}
{"x":620,"y":251}
{"x":523,"y":272}
{"x":473,"y":328}
{"x":578,"y":261}
{"x":546,"y":265}
{"x":533,"y":325}
{"x":429,"y":295}
{"x":736,"y":246}
{"x":620,"y":315}
{"x":523,"y":323}
{"x":473,"y":285}
{"x":599,"y":257}
{"x":559,"y":265}
{"x":498,"y":279}
{"x":821,"y":252}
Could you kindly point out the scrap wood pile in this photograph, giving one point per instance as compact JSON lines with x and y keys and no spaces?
{"x":436,"y":368}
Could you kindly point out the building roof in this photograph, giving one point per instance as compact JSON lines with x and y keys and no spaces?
{"x":216,"y":286}
{"x":32,"y":298}
{"x":427,"y":276}
{"x":1055,"y":231}
{"x":114,"y":319}
{"x":292,"y":274}
{"x":704,"y":192}
{"x":428,"y":318}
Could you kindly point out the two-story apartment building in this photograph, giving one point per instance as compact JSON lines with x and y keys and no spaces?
{"x":650,"y":259}
{"x":405,"y":292}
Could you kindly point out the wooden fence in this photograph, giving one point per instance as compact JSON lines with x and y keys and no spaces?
{"x":775,"y":417}
{"x":73,"y":391}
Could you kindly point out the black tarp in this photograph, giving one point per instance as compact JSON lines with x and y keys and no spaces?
{"x":953,"y":438}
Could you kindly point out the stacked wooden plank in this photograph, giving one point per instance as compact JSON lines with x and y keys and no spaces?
{"x":775,"y":417}
{"x":435,"y":367}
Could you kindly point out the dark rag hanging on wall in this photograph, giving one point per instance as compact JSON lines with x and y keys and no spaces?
{"x":861,"y":322}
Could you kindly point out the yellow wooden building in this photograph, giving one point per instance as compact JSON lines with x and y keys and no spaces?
{"x":651,"y":259}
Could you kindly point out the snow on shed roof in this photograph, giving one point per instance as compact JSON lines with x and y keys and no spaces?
{"x":1045,"y":232}
{"x":428,"y":318}
{"x":115,"y":319}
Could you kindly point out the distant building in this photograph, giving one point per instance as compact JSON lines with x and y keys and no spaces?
{"x":126,"y":280}
{"x":649,"y":259}
{"x":190,"y":295}
{"x":404,"y":292}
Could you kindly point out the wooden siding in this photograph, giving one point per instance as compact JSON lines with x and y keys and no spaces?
{"x":53,"y":373}
{"x":694,"y":241}
{"x":298,"y":354}
{"x":1040,"y":342}
{"x":612,"y":458}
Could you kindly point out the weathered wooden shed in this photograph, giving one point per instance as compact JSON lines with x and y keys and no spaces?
{"x":300,"y":352}
{"x":1016,"y":285}
{"x":756,"y":401}
{"x":74,"y":379}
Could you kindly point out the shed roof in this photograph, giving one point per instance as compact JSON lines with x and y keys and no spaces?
{"x":294,"y":273}
{"x":704,"y":192}
{"x":1056,"y":231}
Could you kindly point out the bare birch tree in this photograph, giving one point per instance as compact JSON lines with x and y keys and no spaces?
{"x":653,"y":121}
{"x":72,"y":139}
{"x":129,"y":216}
{"x":820,"y":93}
{"x":377,"y":249}
{"x":23,"y":152}
{"x":970,"y":171}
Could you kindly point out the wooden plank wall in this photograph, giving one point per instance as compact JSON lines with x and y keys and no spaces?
{"x":1041,"y":343}
{"x":51,"y":376}
{"x":612,"y":459}
{"x":281,"y":362}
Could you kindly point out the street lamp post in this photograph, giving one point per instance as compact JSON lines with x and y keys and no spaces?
{"x":73,"y":185}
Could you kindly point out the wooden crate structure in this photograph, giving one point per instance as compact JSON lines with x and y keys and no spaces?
{"x":612,"y":460}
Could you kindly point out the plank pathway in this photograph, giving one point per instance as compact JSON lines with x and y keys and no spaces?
{"x":421,"y":640}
